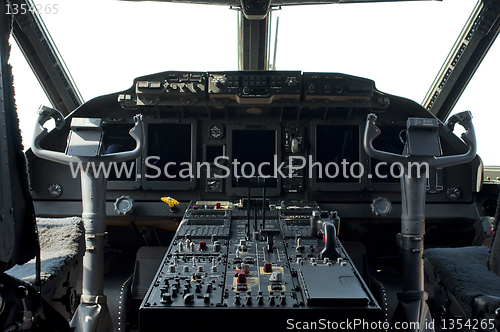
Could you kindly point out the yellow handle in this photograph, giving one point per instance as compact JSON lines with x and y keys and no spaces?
{"x":170,"y":201}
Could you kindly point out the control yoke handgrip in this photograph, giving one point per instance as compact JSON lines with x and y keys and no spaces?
{"x":46,"y":113}
{"x":371,"y":132}
{"x":469,"y":137}
{"x":138,"y":135}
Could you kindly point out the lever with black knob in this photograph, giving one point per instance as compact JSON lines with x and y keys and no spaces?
{"x":327,"y":228}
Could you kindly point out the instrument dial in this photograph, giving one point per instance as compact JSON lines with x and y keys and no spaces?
{"x":55,"y":190}
{"x":453,"y":193}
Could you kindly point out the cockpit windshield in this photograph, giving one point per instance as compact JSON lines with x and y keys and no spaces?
{"x":106,"y":44}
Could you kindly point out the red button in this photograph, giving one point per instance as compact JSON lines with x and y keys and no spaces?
{"x":217,"y":205}
{"x":268,"y":267}
{"x":242,"y":278}
{"x":203,"y":245}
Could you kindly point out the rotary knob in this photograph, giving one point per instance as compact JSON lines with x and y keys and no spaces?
{"x":124,"y":205}
{"x":166,"y":298}
{"x":381,"y":206}
{"x":189,"y":298}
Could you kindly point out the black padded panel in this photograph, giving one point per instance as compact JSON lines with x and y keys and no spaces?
{"x":24,"y":232}
{"x":464,"y":272}
{"x":494,"y":260}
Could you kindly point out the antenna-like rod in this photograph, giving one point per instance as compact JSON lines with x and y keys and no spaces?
{"x":273,"y":67}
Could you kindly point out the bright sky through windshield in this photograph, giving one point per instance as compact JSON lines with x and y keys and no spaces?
{"x":399,"y":45}
{"x":106,"y":44}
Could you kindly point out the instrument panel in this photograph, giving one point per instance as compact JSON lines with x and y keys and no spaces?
{"x":208,"y":133}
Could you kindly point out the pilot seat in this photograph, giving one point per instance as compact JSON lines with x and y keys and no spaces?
{"x":466,"y":281}
{"x":62,"y":244}
{"x":22,"y":305}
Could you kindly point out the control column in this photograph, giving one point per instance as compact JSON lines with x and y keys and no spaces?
{"x":422,"y":149}
{"x":83,"y":148}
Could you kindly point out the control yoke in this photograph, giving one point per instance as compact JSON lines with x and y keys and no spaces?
{"x":47,"y":113}
{"x":422,"y":146}
{"x":469,"y":137}
{"x":84,"y":146}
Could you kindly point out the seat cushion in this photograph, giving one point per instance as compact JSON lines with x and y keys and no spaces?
{"x":464,"y":272}
{"x":61,"y":241}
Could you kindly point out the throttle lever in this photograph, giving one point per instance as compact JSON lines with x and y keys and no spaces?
{"x":327,"y":228}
